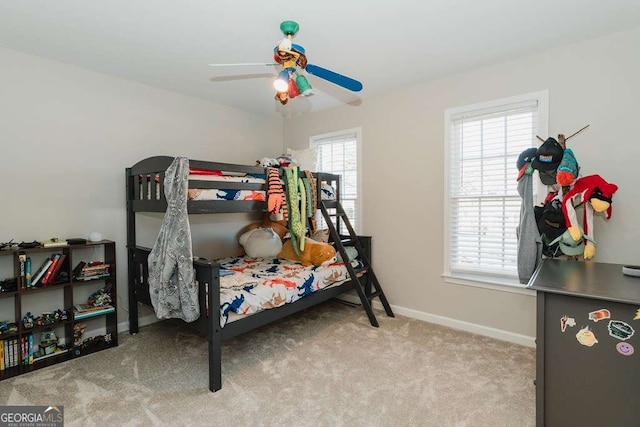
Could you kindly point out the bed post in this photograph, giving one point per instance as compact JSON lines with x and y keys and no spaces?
{"x":208,"y":273}
{"x":131,"y":243}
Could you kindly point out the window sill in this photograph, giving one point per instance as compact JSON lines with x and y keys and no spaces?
{"x":495,"y":284}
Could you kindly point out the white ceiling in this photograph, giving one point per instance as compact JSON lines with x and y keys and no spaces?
{"x":386,"y":45}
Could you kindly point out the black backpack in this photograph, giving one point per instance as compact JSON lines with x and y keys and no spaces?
{"x":551,"y":225}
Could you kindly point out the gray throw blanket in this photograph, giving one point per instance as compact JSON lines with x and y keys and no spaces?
{"x":529,"y":240}
{"x":172,"y":287}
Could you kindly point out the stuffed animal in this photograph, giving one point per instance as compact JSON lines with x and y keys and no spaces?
{"x":596,"y":194}
{"x":314,"y":253}
{"x":261,"y":242}
{"x":280,"y":227}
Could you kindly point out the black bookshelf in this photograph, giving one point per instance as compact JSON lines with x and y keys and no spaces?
{"x":65,"y":284}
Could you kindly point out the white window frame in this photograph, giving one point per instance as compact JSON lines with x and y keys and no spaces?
{"x":358,"y":227}
{"x":486,"y":281}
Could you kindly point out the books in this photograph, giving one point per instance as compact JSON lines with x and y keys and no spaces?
{"x":12,"y":350}
{"x":93,"y":270}
{"x":41,"y":271}
{"x":47,"y":276}
{"x":56,"y":269}
{"x":84,"y":311}
{"x":77,"y":270}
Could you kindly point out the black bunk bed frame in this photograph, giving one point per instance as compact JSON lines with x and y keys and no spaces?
{"x":145,"y":193}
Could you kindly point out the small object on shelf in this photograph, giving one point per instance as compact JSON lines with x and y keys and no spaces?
{"x":28,"y":321}
{"x":6,"y":246}
{"x":95,"y":237}
{"x":54,"y":242}
{"x":9,"y":285}
{"x":48,"y":342}
{"x":29,"y":245}
{"x":100,"y":298}
{"x":78,"y":331}
{"x":4,"y":327}
{"x":76,"y":241}
{"x":631,"y":270}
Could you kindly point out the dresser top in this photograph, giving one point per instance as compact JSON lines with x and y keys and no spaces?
{"x":586,"y":279}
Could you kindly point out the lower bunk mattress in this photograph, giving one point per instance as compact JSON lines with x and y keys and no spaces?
{"x":249,"y":285}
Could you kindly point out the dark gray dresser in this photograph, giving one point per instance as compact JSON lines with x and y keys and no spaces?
{"x":587,"y":344}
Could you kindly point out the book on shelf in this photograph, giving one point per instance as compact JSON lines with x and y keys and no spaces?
{"x":93,"y":277}
{"x":56,"y":269}
{"x":95,"y":270}
{"x":77,"y":270}
{"x":22,"y":259}
{"x":30,"y":357}
{"x":27,"y":272}
{"x":48,"y":275}
{"x":84,"y":311}
{"x":57,"y":352}
{"x":41,"y":271}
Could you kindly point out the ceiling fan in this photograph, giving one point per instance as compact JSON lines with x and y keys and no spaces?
{"x":290,"y":81}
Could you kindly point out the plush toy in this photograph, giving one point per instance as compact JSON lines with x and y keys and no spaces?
{"x":279,"y":227}
{"x":261,"y":242}
{"x":568,"y":169}
{"x":596,"y":195}
{"x":314,"y":253}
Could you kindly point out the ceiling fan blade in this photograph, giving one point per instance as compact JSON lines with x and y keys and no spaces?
{"x":244,"y":64}
{"x":335,"y":78}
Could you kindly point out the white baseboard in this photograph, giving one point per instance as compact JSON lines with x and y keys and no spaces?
{"x":142,"y":321}
{"x":414,"y":314}
{"x":452,"y":323}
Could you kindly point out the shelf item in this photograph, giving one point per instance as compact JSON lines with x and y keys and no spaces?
{"x":80,"y":314}
{"x":28,"y":348}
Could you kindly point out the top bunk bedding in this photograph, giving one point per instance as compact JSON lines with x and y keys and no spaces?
{"x":213,"y":187}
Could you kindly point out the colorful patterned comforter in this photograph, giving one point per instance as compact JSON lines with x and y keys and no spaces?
{"x":261,"y":283}
{"x":216,"y":194}
{"x":227,"y":178}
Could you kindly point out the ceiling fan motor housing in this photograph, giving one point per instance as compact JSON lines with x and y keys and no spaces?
{"x":289,"y":28}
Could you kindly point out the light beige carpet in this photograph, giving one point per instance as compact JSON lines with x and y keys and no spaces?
{"x":325,"y":366}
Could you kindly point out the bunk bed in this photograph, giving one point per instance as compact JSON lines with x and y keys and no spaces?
{"x":145,"y":193}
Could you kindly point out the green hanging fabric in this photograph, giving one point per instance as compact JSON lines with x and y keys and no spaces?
{"x":296,"y":227}
{"x":303,"y":210}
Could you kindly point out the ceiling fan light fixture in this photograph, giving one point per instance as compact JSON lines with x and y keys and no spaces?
{"x":285,"y":44}
{"x":304,"y":86}
{"x":293,"y":90}
{"x":281,"y":83}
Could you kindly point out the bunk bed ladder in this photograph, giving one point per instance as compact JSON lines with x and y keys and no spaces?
{"x":365,"y":293}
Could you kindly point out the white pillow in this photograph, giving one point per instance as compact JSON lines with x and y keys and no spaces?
{"x":306,"y":159}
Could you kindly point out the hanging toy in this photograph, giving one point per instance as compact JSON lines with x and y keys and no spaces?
{"x":596,"y":195}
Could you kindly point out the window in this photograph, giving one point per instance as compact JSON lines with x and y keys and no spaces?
{"x":483,"y":142}
{"x":339,"y":153}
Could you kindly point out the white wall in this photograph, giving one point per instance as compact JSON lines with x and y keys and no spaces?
{"x":67,"y":134}
{"x":594,"y":82}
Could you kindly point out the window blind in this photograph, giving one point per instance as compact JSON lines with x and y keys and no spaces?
{"x":339,"y":155}
{"x":484,"y":205}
